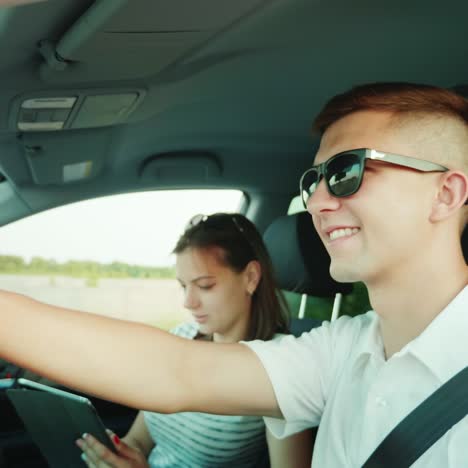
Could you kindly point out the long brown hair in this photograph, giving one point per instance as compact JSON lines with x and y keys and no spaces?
{"x":240,"y":243}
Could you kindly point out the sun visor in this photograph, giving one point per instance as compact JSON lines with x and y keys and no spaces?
{"x":62,"y":158}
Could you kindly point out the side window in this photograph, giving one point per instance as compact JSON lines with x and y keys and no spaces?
{"x":110,"y":256}
{"x":355,"y":303}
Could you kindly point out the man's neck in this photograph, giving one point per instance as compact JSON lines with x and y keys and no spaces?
{"x":410,"y":300}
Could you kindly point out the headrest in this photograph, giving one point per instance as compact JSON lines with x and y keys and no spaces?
{"x":299,"y":258}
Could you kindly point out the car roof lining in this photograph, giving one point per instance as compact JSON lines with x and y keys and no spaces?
{"x":247,"y":94}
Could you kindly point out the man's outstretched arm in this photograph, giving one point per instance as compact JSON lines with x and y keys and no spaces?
{"x":133,"y":364}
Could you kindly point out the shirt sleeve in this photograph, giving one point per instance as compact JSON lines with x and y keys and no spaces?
{"x":301,"y":371}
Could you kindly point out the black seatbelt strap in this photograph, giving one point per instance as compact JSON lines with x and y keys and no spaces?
{"x":424,"y":426}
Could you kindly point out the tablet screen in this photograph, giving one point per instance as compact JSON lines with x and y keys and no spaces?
{"x":56,"y":419}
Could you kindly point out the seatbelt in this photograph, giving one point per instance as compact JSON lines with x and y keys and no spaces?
{"x":424,"y":426}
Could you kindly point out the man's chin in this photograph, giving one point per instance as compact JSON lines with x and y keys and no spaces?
{"x":344,"y":272}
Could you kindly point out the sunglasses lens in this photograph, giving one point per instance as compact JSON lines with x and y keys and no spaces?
{"x":343,"y":174}
{"x":309,"y":183}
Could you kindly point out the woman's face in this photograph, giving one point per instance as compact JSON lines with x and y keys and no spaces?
{"x":216,"y":295}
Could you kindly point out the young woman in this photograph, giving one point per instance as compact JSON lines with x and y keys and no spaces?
{"x":226,"y":274}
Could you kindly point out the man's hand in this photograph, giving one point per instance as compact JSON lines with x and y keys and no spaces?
{"x":96,"y":455}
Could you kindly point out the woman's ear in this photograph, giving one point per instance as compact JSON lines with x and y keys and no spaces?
{"x":253,"y":275}
{"x":451,"y":195}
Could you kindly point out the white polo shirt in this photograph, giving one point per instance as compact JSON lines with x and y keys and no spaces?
{"x":337,"y":375}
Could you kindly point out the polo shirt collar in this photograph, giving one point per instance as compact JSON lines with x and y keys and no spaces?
{"x":442,"y":346}
{"x":371,"y":344}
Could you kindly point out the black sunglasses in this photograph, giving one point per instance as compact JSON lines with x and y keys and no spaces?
{"x":343,"y":172}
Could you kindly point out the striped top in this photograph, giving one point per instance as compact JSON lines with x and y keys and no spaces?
{"x":204,"y":440}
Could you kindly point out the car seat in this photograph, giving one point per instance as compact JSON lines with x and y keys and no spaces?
{"x":302,"y":265}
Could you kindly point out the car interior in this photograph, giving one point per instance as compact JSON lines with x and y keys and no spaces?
{"x":107,"y":97}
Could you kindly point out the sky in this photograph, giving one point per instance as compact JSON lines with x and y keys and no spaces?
{"x":139,"y":228}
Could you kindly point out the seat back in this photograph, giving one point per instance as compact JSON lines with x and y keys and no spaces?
{"x":298,"y":326}
{"x":300,"y":260}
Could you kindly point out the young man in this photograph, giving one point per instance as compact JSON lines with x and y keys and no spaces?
{"x":387,"y":199}
{"x":398,"y":231}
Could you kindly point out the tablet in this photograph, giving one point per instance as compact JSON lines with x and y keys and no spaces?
{"x":56,"y":419}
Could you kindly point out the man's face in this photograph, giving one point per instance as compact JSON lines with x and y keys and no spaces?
{"x":384,"y":227}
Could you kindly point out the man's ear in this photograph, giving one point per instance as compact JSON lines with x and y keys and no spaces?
{"x":451,"y":195}
{"x":253,"y":275}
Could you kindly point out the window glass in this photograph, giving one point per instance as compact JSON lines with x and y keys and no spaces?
{"x":110,"y":256}
{"x":357,"y":302}
{"x":296,"y":205}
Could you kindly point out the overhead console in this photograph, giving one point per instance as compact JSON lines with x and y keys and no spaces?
{"x":54,"y":111}
{"x":124,"y":42}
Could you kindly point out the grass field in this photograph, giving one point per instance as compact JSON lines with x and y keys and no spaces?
{"x":156,"y":302}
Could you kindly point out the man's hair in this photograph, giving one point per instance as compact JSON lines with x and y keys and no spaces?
{"x":397,"y":98}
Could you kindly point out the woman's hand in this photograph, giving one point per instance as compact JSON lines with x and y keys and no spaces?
{"x":96,"y":455}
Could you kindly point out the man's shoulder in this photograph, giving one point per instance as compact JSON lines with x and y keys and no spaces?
{"x":343,"y":332}
{"x":357,"y":325}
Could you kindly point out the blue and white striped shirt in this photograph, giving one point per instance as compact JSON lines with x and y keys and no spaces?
{"x":204,"y":440}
